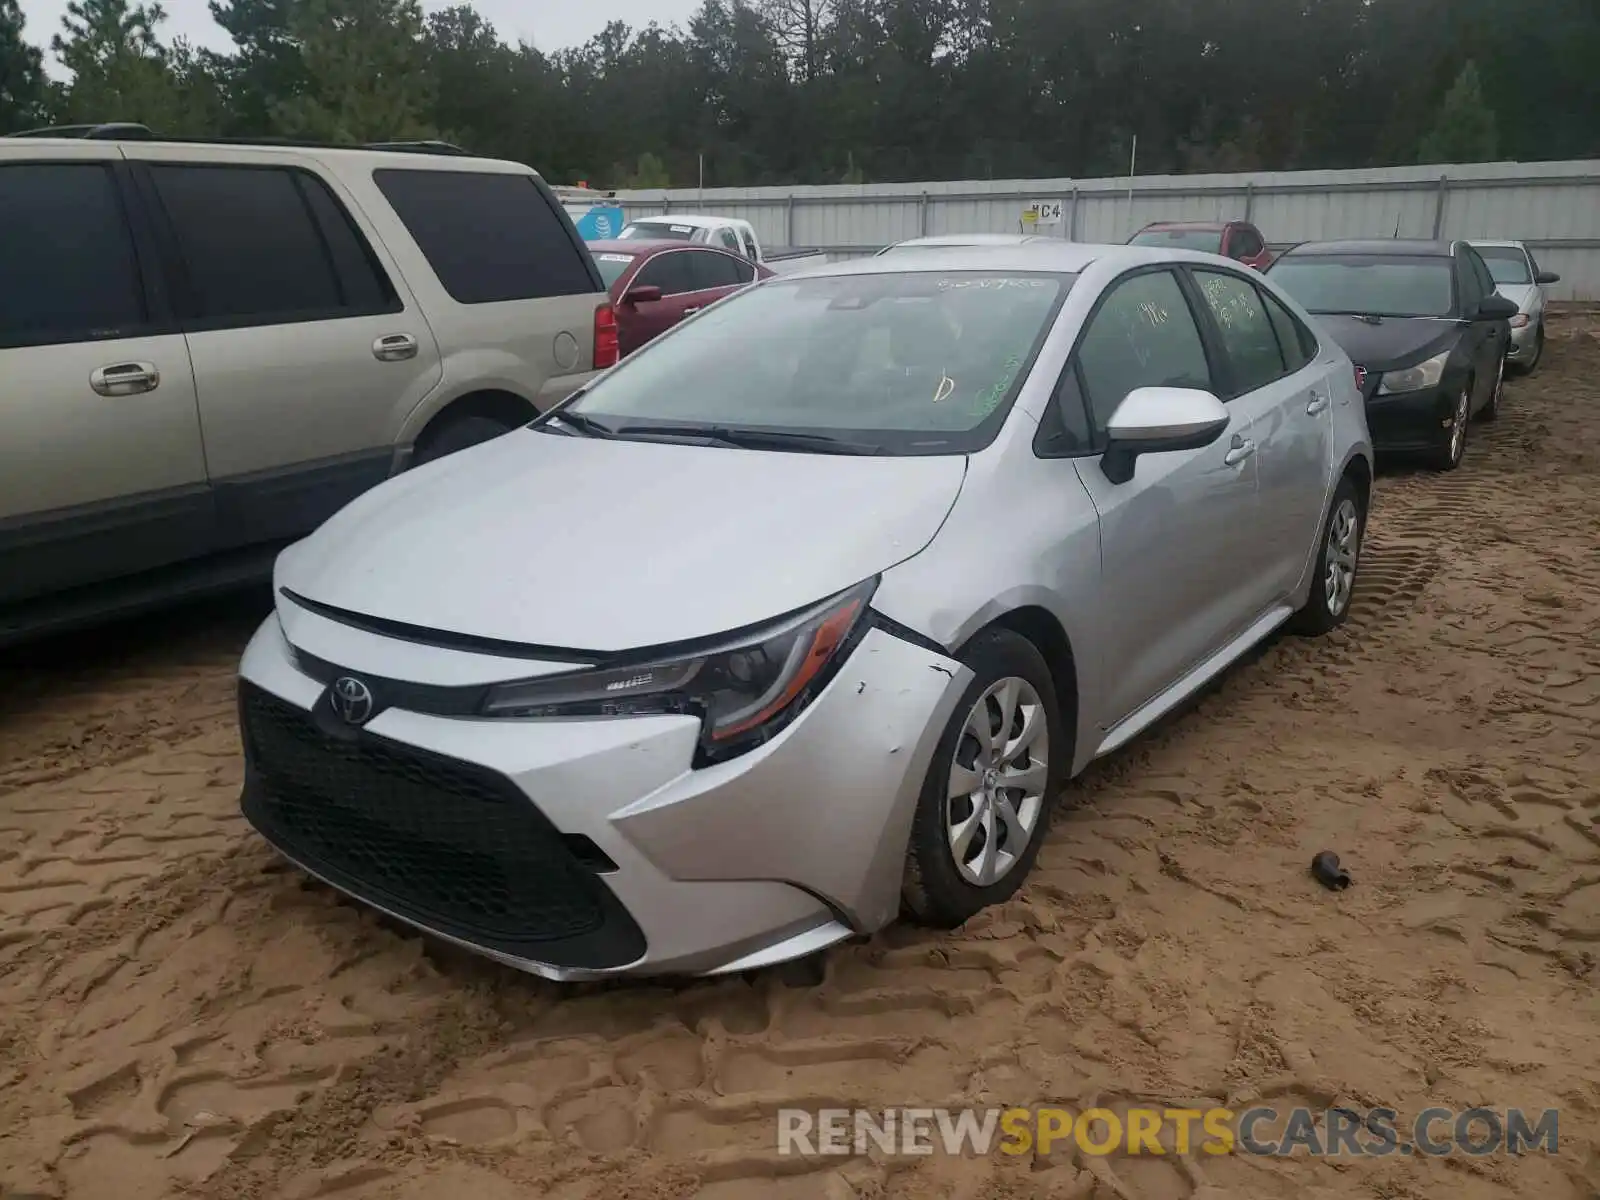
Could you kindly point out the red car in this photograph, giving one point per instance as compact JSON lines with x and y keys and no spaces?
{"x":655,"y":284}
{"x":1232,"y":239}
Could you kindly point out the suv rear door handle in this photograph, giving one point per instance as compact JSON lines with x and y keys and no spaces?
{"x":1317,"y":403}
{"x":125,"y":379}
{"x":393,"y":347}
{"x":1241,"y":449}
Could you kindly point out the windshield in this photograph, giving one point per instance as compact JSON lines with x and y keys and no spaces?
{"x":1369,"y":284}
{"x":1506,"y":263}
{"x":612,"y":266}
{"x":910,"y":362}
{"x":658,"y":229}
{"x":1208,"y":240}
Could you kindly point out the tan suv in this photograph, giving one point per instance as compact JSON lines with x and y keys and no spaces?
{"x":208,"y":348}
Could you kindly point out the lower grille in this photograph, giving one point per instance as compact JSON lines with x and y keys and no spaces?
{"x":448,"y":845}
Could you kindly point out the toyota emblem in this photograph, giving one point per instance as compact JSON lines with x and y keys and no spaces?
{"x":351,"y":699}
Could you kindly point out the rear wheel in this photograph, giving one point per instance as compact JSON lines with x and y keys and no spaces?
{"x":457,"y":433}
{"x":1448,"y":456}
{"x":1333,"y":585}
{"x":985,"y":804}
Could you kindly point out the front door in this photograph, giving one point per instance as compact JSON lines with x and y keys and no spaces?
{"x":102,"y":473}
{"x":1173,"y":537}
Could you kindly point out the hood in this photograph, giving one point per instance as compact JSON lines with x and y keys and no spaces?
{"x":1520,"y":294}
{"x":600,"y":545}
{"x":1397,"y":342}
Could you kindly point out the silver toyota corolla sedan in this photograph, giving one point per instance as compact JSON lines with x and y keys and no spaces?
{"x":799,"y":618}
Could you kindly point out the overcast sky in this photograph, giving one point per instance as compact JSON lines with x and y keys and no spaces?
{"x":548,"y":24}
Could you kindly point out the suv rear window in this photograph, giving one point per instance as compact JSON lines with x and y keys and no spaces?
{"x":489,"y":236}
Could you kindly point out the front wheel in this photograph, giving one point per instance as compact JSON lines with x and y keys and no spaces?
{"x":985,"y":804}
{"x":1448,"y":456}
{"x":454,"y":434}
{"x":1334,"y":584}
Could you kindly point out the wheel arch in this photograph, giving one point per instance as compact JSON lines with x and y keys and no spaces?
{"x":1043,"y":629}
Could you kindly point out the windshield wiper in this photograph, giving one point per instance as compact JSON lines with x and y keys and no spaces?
{"x":749,"y":439}
{"x":585,"y":425}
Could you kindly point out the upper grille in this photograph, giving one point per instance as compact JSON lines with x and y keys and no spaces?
{"x":452,"y":846}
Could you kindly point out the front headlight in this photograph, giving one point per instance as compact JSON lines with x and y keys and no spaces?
{"x":743,"y":689}
{"x":1415,"y":378}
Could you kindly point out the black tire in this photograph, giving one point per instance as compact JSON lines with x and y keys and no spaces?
{"x":1318,"y":615}
{"x":935,"y":892}
{"x":456,"y":433}
{"x":1449,"y":455}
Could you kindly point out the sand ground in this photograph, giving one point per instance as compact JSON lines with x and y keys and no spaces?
{"x":181,"y":1014}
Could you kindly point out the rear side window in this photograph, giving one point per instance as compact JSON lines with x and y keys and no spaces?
{"x":67,"y":266}
{"x":1299,"y":344}
{"x":719,"y":270}
{"x":1247,"y":332}
{"x":489,"y":237}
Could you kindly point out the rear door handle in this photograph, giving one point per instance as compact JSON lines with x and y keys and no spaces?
{"x":693,"y":308}
{"x":394,"y":347}
{"x":125,"y":379}
{"x":1241,"y":449}
{"x":1317,"y":403}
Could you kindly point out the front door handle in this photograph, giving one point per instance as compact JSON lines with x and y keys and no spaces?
{"x":1241,"y":449}
{"x":693,"y":308}
{"x":125,"y":379}
{"x":394,"y":347}
{"x":1317,"y":403}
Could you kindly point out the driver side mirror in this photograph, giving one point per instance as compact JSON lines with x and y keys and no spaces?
{"x":646,"y":294}
{"x":1544,"y":277}
{"x":1496,"y":308}
{"x":1159,"y":420}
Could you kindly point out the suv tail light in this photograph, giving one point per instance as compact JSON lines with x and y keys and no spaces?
{"x":606,"y":345}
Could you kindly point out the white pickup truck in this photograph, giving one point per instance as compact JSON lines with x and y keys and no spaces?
{"x":730,"y":233}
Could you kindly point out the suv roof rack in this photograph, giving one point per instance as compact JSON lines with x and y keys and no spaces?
{"x":131,"y":131}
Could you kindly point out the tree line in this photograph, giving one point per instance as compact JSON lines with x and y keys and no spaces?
{"x":830,"y":91}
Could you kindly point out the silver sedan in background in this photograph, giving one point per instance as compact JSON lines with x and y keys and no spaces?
{"x":1518,"y":277}
{"x":799,"y":618}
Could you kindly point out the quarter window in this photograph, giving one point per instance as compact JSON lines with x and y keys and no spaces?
{"x":1247,"y":333}
{"x":67,"y":266}
{"x":489,"y":237}
{"x":1144,"y":335}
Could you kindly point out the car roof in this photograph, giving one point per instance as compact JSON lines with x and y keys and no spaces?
{"x":1507,"y":244}
{"x":644,"y":246}
{"x":1045,"y":254}
{"x":693,"y":220}
{"x":1207,"y":226}
{"x":974,"y":239}
{"x":1377,"y":247}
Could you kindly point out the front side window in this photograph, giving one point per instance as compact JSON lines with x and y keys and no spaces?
{"x":911,"y":362}
{"x":1380,"y":285}
{"x":1246,"y":328}
{"x":67,"y":267}
{"x":489,"y":236}
{"x":1206,"y":240}
{"x":672,"y":272}
{"x":1506,"y":264}
{"x":1144,"y":335}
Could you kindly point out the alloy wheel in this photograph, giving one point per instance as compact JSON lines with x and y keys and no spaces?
{"x":1344,"y":547}
{"x":1458,"y":429}
{"x":997,"y":781}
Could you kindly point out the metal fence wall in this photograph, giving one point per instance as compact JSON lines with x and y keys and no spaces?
{"x":1554,"y":207}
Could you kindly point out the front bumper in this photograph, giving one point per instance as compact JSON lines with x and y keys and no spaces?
{"x":1410,"y":421}
{"x":586,"y":848}
{"x":1524,"y":343}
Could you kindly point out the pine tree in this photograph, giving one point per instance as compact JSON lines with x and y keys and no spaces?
{"x":367,"y":80}
{"x":23,"y":92}
{"x":119,"y":67}
{"x":1465,"y":130}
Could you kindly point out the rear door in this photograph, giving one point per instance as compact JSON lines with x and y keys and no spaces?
{"x":1288,"y":400}
{"x":307,"y":350}
{"x":102,"y":473}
